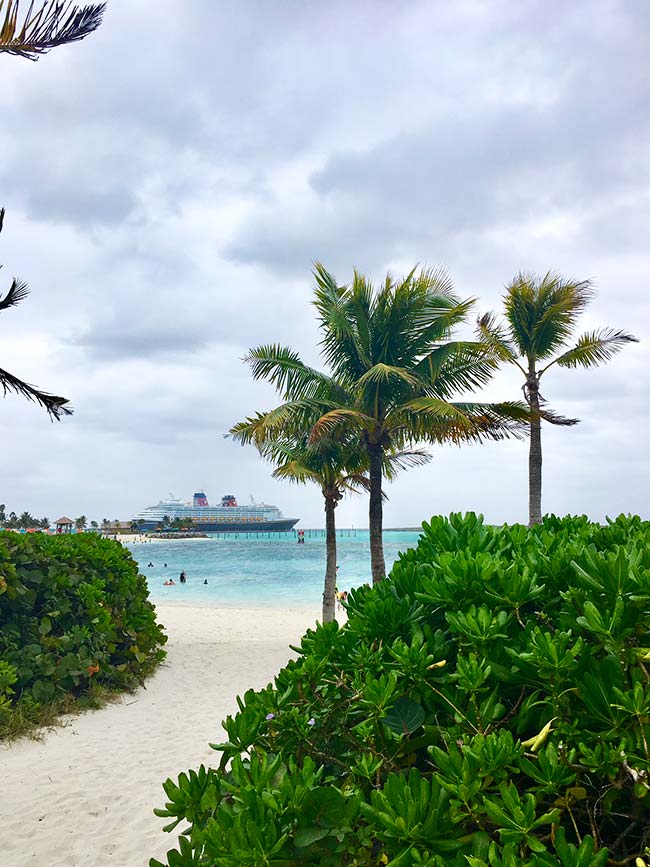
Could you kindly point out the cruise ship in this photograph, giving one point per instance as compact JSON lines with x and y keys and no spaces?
{"x":227,"y":517}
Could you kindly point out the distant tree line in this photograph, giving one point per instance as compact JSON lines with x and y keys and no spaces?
{"x":26,"y":521}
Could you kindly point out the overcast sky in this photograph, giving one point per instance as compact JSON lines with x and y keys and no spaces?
{"x":170,"y":180}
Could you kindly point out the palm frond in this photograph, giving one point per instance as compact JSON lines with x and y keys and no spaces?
{"x":55,"y":406}
{"x":594,"y":348}
{"x":542,"y":311}
{"x":380,"y":373}
{"x":553,"y":418}
{"x":288,"y":419}
{"x":439,"y":316}
{"x":296,"y":472}
{"x":435,"y":420}
{"x":455,"y":366}
{"x":55,"y":23}
{"x":331,"y":420}
{"x":404,"y":460}
{"x":17,"y":292}
{"x":495,"y":338}
{"x":344,"y":314}
{"x":283,"y":368}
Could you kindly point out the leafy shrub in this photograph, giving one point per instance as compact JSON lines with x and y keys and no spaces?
{"x":74,"y":615}
{"x":486,"y":706}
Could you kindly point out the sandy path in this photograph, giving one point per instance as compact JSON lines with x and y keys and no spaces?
{"x":84,"y":796}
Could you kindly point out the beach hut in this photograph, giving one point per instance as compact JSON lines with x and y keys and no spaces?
{"x":64,"y":525}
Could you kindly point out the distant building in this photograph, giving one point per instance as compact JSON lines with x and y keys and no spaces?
{"x":64,"y":525}
{"x":113,"y":528}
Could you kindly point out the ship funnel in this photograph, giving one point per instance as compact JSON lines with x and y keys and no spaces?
{"x":200,"y":499}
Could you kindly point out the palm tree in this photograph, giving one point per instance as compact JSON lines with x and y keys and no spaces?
{"x":394,"y":370}
{"x":45,"y":523}
{"x":80,"y":522}
{"x":94,"y":525}
{"x":3,"y":514}
{"x":540,"y":319}
{"x":55,"y":23}
{"x":55,"y":406}
{"x":25,"y":520}
{"x":335,"y":465}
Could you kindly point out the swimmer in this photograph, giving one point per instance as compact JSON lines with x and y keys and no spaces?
{"x":168,"y":583}
{"x":206,"y":581}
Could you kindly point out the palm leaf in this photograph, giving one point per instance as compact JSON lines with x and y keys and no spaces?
{"x":55,"y":406}
{"x":17,"y":292}
{"x":289,"y":418}
{"x":593,"y":348}
{"x":380,"y":373}
{"x":455,"y":366}
{"x":331,"y":420}
{"x":55,"y":23}
{"x":283,"y":368}
{"x":495,"y":338}
{"x":435,"y":420}
{"x":542,"y":311}
{"x":404,"y":460}
{"x":296,"y":472}
{"x":339,"y":309}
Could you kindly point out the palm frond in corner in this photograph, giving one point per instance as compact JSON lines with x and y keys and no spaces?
{"x":55,"y":23}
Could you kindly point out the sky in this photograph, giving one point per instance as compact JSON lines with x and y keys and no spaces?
{"x":170,"y":181}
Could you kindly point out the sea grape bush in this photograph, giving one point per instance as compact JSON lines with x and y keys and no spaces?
{"x":74,"y":612}
{"x":488,"y":705}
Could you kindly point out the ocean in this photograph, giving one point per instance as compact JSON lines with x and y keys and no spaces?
{"x":269,"y":570}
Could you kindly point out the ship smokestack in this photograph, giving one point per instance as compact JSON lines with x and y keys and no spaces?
{"x":200,"y":499}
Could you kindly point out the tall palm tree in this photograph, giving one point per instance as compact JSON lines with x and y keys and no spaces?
{"x":53,"y":24}
{"x":394,"y":370}
{"x":55,"y":406}
{"x":335,"y":464}
{"x":541,"y":314}
{"x":80,"y":522}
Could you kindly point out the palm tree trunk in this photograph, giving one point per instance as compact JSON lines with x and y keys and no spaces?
{"x":534,"y":457}
{"x":329,"y":592}
{"x":375,"y":514}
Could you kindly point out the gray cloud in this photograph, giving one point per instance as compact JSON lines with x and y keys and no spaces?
{"x":166,"y":202}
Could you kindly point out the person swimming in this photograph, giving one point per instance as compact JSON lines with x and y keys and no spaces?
{"x":169,"y":583}
{"x":183,"y":577}
{"x":206,"y":581}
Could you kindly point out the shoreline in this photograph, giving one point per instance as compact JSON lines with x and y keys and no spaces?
{"x":84,"y":795}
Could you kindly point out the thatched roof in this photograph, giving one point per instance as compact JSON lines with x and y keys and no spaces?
{"x":64,"y":520}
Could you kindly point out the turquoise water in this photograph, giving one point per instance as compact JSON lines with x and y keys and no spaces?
{"x":269,"y":571}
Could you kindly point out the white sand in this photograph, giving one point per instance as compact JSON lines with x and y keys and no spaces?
{"x":84,"y":796}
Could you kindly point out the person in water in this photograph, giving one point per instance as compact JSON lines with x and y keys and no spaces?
{"x":183,"y":577}
{"x":206,"y":581}
{"x":168,"y":583}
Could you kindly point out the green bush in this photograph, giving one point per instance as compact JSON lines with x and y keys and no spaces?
{"x":74,"y":619}
{"x":486,"y":706}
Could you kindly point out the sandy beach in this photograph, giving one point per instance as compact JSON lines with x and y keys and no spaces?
{"x":84,"y":795}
